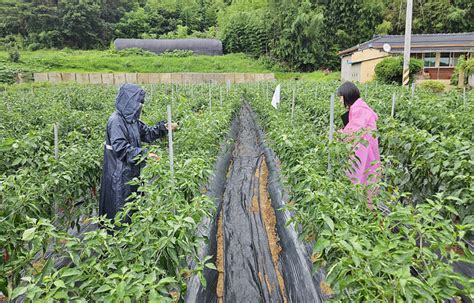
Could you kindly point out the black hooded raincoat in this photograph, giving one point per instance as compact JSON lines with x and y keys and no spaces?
{"x":123,"y":138}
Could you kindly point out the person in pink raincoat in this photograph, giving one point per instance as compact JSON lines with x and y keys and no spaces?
{"x":360,"y":121}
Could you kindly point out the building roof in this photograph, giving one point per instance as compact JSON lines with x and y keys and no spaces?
{"x":424,"y":43}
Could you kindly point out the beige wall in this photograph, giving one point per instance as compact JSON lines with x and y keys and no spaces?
{"x":355,"y":71}
{"x":368,"y":70}
{"x":362,"y":67}
{"x":346,"y":68}
{"x":152,"y":78}
{"x":367,"y":54}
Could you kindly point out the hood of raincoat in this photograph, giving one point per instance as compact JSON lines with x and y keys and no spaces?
{"x":361,"y":104}
{"x":129,"y":100}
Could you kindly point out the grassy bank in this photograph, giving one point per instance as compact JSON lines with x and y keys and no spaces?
{"x":111,"y":61}
{"x":108,"y":61}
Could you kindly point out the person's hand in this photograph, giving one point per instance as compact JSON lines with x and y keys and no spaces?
{"x":174,"y":126}
{"x":154,"y":156}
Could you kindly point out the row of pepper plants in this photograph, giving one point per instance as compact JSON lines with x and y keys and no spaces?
{"x":33,"y":184}
{"x":146,"y":260}
{"x":405,"y":256}
{"x":435,"y":152}
{"x":438,"y":113}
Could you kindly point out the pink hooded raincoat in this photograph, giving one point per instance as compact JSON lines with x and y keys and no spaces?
{"x":365,"y":164}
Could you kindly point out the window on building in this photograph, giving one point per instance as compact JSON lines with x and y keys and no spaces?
{"x":429,"y":59}
{"x":445,"y":59}
{"x":454,"y":58}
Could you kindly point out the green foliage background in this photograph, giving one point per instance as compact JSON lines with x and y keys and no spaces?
{"x":302,"y":35}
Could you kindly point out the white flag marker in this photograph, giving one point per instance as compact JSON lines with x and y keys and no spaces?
{"x":276,"y":97}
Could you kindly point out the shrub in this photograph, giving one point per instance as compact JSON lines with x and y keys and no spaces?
{"x":271,"y":64}
{"x":469,"y":66}
{"x":14,"y":54}
{"x":455,"y":75}
{"x":432,"y":85}
{"x":133,"y":52}
{"x":180,"y":33}
{"x":463,"y":64}
{"x":177,"y":53}
{"x":11,"y":41}
{"x":390,"y":69}
{"x":210,"y":33}
{"x":34,"y":46}
{"x":7,"y":74}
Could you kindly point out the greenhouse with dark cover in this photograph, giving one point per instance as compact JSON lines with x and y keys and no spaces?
{"x":210,"y":47}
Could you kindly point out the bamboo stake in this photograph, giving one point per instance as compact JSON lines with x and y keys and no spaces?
{"x":170,"y":142}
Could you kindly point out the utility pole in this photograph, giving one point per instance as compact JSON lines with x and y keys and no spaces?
{"x":406,"y":52}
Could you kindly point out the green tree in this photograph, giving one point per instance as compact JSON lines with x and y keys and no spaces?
{"x":81,"y":24}
{"x":347,"y":23}
{"x":133,"y":24}
{"x":296,"y":34}
{"x":245,"y":33}
{"x":300,"y":34}
{"x":432,"y":16}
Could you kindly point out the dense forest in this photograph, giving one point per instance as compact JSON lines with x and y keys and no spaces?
{"x":297,"y":34}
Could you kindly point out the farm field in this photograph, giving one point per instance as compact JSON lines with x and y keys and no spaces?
{"x":364,"y":257}
{"x":410,"y":253}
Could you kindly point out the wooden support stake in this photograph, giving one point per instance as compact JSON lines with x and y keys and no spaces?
{"x":331,"y":119}
{"x":461,"y":78}
{"x":464,"y":98}
{"x":170,"y":141}
{"x":172,"y":94}
{"x":394,"y":97}
{"x":210,"y":98}
{"x":331,"y":128}
{"x":56,"y":156}
{"x":151,"y":94}
{"x":220,"y":94}
{"x":56,"y":141}
{"x":267,"y":90}
{"x":293,"y":106}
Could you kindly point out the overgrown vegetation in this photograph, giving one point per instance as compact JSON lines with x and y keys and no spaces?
{"x":133,"y":60}
{"x":466,"y":67}
{"x":7,"y":74}
{"x":432,"y":85}
{"x":300,"y":35}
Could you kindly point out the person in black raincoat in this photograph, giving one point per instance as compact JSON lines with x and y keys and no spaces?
{"x":123,"y":138}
